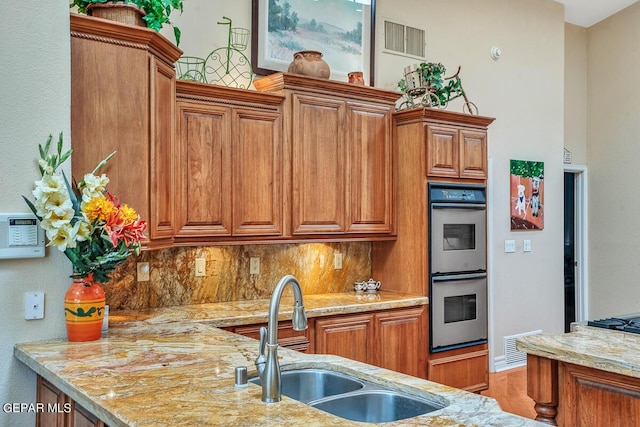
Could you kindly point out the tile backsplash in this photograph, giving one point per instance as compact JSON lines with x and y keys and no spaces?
{"x":173,"y":281}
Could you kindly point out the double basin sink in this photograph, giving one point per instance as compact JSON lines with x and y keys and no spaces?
{"x":350,"y":397}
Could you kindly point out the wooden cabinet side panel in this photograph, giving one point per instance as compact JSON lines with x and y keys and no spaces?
{"x":111,"y":113}
{"x":402,"y":264}
{"x":590,"y":397}
{"x":346,"y":336}
{"x":163,"y":174}
{"x":369,"y":197}
{"x":205,"y":156}
{"x":468,"y":371}
{"x":473,"y":154}
{"x":257,"y":173}
{"x":443,"y":155}
{"x":401,"y":341}
{"x":318,"y":165}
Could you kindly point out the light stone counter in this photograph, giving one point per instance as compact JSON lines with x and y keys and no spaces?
{"x":607,"y":350}
{"x":249,"y":312}
{"x":169,"y":370}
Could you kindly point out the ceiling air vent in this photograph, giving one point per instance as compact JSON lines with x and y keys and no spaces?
{"x":399,"y":38}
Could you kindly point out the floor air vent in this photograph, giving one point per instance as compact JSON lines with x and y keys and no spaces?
{"x":513,"y":357}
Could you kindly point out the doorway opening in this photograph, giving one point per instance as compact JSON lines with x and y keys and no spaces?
{"x":575,"y":245}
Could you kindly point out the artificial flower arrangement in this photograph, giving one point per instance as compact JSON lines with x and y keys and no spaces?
{"x":84,"y":220}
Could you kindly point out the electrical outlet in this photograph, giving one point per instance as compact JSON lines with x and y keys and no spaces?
{"x":254,"y":265}
{"x":337,"y":261}
{"x":143,"y":271}
{"x":201,"y":267}
{"x":34,"y":305}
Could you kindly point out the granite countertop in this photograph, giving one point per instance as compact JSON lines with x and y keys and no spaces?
{"x":607,"y":350}
{"x":177,"y":368}
{"x":249,"y":312}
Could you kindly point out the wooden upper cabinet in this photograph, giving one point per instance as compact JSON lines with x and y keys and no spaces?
{"x":229,"y":163}
{"x":257,"y":172}
{"x":341,"y":143}
{"x":443,"y":152}
{"x":455,"y":144}
{"x":112,"y":112}
{"x":369,"y":205}
{"x":205,"y":176}
{"x":473,"y":154}
{"x":318,"y":164}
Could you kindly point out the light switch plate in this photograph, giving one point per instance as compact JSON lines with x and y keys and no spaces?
{"x":337,"y":261}
{"x":34,"y":305}
{"x":526,"y":245}
{"x":509,"y":246}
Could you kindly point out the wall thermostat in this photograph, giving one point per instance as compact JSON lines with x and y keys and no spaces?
{"x":20,"y":236}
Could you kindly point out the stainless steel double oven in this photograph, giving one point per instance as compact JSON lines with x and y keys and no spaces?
{"x":457,"y":266}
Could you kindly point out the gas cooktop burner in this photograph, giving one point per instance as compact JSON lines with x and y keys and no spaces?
{"x":624,"y":324}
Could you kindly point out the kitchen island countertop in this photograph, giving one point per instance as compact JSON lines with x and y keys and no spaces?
{"x":175,"y":367}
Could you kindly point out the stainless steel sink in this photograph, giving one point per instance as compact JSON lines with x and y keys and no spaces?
{"x":307,"y":385}
{"x":350,"y":397}
{"x":377,"y":406}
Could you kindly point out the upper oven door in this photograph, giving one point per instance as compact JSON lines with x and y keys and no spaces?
{"x":458,"y":237}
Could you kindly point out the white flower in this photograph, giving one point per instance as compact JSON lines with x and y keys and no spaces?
{"x":58,"y":204}
{"x":62,"y":238}
{"x":94,"y":186}
{"x":51,"y":184}
{"x":45,"y":166}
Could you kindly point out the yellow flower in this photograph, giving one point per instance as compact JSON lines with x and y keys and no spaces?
{"x":128,"y":214}
{"x":83,"y":231}
{"x":99,"y":208}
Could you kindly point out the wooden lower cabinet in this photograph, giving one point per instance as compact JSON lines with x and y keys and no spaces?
{"x":301,"y":341}
{"x":347,"y":336}
{"x":391,"y":339}
{"x":465,"y":368}
{"x":59,"y":410}
{"x":577,"y":396}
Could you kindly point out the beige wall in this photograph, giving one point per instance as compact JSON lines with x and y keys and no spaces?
{"x":575,"y":93}
{"x":34,"y":103}
{"x":613,"y":156}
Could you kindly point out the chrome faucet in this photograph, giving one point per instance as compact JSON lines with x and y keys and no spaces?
{"x":267,"y":364}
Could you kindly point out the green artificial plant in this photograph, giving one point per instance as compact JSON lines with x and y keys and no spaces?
{"x":157,"y":11}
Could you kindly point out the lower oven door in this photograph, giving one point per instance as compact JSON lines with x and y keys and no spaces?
{"x":458,"y":311}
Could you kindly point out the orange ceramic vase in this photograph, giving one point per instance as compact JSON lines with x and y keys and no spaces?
{"x":83,"y":310}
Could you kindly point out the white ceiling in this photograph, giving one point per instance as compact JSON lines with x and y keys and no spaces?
{"x":588,"y":12}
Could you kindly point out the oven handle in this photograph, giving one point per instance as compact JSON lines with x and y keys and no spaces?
{"x":459,"y":205}
{"x":451,"y":278}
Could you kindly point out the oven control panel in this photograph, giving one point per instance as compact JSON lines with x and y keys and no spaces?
{"x":439,"y":193}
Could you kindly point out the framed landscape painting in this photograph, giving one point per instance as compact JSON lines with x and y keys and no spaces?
{"x":527,"y":195}
{"x":342,"y":30}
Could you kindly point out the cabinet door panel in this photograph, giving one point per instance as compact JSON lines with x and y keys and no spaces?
{"x":346,"y":336}
{"x":318,"y":165}
{"x":206,"y":177}
{"x":51,"y":397}
{"x":369,"y":168}
{"x":401,"y":341}
{"x":473,"y":154}
{"x":163,"y":177}
{"x":468,"y":371}
{"x":257,"y":173}
{"x":442,"y":151}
